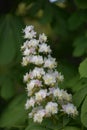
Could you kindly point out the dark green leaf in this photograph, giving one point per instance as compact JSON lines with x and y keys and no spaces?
{"x":14,"y":115}
{"x":80,"y":45}
{"x":35,"y":126}
{"x":81,"y":3}
{"x":71,"y":128}
{"x":7,"y":89}
{"x":10,"y":38}
{"x":65,"y":120}
{"x":7,"y":46}
{"x":79,"y":96}
{"x":76,"y":19}
{"x":76,"y":84}
{"x":47,"y":14}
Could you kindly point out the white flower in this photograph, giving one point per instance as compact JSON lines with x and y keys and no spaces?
{"x":28,"y":29}
{"x":44,"y":48}
{"x":30,"y":115}
{"x":51,"y":108}
{"x":50,"y":62}
{"x":51,"y":90}
{"x":38,"y":117}
{"x":39,"y":96}
{"x":60,"y":77}
{"x":26,"y":77}
{"x":55,"y":73}
{"x":30,"y":103}
{"x":25,"y":61}
{"x":33,"y":43}
{"x":49,"y":79}
{"x":29,"y":32}
{"x":27,"y":51}
{"x":66,"y":96}
{"x":42,"y":80}
{"x":58,"y":93}
{"x":37,"y":60}
{"x":30,"y":85}
{"x":42,"y":38}
{"x":25,"y":45}
{"x":70,"y":109}
{"x":38,"y":72}
{"x":33,"y":83}
{"x":62,"y":95}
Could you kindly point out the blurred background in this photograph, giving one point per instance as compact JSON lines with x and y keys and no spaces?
{"x":65,"y":24}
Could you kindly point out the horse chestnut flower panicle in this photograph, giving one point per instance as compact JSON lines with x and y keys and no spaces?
{"x":45,"y":98}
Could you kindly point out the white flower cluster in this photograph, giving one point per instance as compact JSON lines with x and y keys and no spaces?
{"x":45,"y":98}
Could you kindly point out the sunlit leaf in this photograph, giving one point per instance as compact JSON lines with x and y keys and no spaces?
{"x":83,"y":68}
{"x":84,"y":113}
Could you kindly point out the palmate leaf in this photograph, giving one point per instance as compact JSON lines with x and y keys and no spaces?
{"x":14,"y":115}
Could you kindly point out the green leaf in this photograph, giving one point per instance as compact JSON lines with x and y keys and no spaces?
{"x":81,"y":3}
{"x":66,"y":120}
{"x":55,"y":124}
{"x":76,"y":84}
{"x":47,"y":14}
{"x":17,"y":26}
{"x":14,"y":115}
{"x":80,"y":45}
{"x":34,"y":8}
{"x":60,"y":27}
{"x":35,"y":126}
{"x":83,"y":68}
{"x":48,"y":123}
{"x":7,"y":88}
{"x":76,"y":19}
{"x":79,"y":96}
{"x":9,"y":38}
{"x":52,"y":124}
{"x":71,"y":128}
{"x":84,"y":113}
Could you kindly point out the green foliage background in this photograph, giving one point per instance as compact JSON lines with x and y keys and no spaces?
{"x":66,"y":26}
